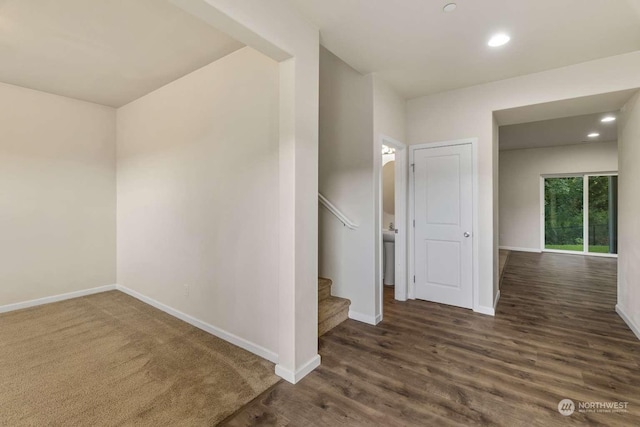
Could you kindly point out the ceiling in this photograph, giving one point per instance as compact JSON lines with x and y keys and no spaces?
{"x":601,"y":103}
{"x":419,"y":49}
{"x":555,"y":132}
{"x":105,"y":51}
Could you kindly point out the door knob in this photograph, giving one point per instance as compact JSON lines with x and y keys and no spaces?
{"x":466,"y":234}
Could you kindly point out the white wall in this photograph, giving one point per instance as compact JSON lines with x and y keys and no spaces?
{"x":388,"y":110}
{"x":346,"y":179}
{"x":629,"y":214}
{"x":57,"y":195}
{"x":468,"y":113}
{"x":198,"y":196}
{"x":520,"y":172}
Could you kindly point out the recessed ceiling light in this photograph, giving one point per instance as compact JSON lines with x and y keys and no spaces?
{"x":608,"y":119}
{"x":593,"y":135}
{"x":450,"y":7}
{"x":499,"y":40}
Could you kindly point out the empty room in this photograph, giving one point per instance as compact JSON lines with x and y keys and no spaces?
{"x":312,"y":212}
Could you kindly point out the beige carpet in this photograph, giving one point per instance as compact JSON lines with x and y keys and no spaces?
{"x":108,"y":359}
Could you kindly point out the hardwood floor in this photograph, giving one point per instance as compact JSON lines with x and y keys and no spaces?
{"x":555,"y":335}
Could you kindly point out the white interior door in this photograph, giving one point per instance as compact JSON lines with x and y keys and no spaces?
{"x":443,"y":212}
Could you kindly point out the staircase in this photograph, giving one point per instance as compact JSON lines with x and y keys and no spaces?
{"x":331,"y":310}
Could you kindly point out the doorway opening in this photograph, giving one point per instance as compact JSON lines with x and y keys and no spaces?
{"x":391,"y":214}
{"x":558,"y":184}
{"x":559,"y":168}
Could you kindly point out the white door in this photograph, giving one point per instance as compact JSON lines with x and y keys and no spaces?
{"x":443,"y":211}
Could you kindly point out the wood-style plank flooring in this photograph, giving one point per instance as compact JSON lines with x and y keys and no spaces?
{"x":555,"y":335}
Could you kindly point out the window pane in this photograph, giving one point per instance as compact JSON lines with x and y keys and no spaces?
{"x":563,"y":214}
{"x":603,"y":218}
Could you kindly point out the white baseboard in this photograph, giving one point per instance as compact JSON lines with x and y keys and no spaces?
{"x":634,"y":328}
{"x":495,"y":301}
{"x":516,"y":249}
{"x":365,"y":318}
{"x":220,"y":333}
{"x":294,"y":377}
{"x":55,"y":298}
{"x":489,"y":311}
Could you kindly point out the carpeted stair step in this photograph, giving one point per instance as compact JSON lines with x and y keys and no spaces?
{"x":324,"y":288}
{"x":331,"y":312}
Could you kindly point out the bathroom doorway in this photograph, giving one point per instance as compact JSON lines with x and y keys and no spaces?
{"x":392,"y":173}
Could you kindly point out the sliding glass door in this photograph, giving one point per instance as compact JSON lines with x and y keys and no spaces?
{"x":603,"y":214}
{"x":580,"y":213}
{"x":564,"y":214}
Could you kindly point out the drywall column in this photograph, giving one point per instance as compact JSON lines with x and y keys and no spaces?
{"x":277,"y":30}
{"x":298,"y":227}
{"x":629,"y":211}
{"x":496,"y":213}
